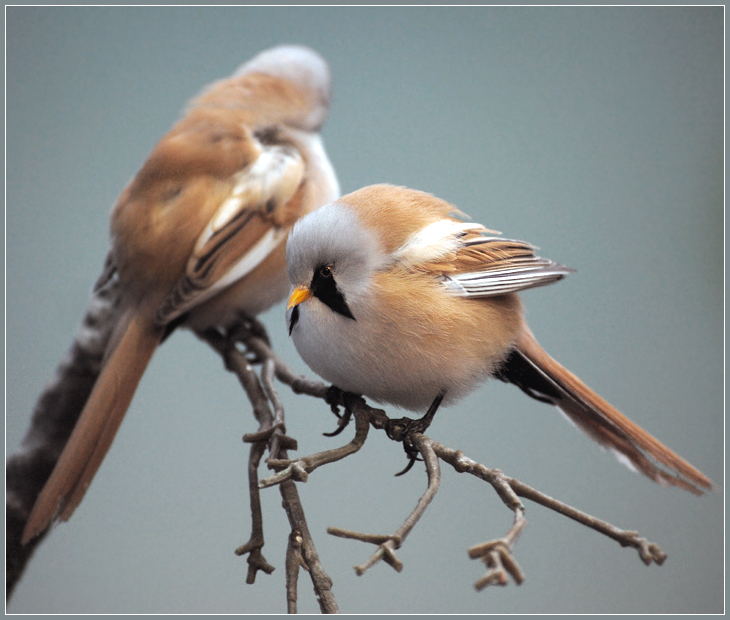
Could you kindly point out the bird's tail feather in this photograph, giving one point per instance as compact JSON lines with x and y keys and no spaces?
{"x":540,"y":376}
{"x":131,"y":347}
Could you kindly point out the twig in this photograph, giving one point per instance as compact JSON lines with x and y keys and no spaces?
{"x":271,"y":429}
{"x":388,"y":544}
{"x":300,"y":469}
{"x":320,"y":580}
{"x":267,"y":381}
{"x":497,"y":556}
{"x":236,"y":362}
{"x":648,"y":552}
{"x":256,"y":560}
{"x":509,"y":488}
{"x":294,"y":562}
{"x":299,"y":384}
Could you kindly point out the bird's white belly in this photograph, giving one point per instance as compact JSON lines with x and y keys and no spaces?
{"x":362,"y":357}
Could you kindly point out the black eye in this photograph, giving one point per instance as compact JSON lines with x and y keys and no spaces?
{"x":325,"y":271}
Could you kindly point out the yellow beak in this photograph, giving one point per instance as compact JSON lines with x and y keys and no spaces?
{"x":298,"y":295}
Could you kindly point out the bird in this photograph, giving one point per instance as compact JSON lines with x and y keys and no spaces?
{"x":198,"y":236}
{"x":397,"y":297}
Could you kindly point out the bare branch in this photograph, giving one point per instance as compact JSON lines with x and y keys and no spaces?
{"x":510,"y":488}
{"x":299,"y":469}
{"x":648,"y":552}
{"x":294,"y":562}
{"x":299,"y":384}
{"x":497,"y":554}
{"x":267,"y":381}
{"x":320,"y":580}
{"x":248,"y":345}
{"x":236,"y":362}
{"x":256,"y":560}
{"x":387,"y":545}
{"x":261,"y":393}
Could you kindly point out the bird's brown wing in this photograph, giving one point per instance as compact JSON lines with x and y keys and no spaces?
{"x":479,"y":264}
{"x":248,"y":225}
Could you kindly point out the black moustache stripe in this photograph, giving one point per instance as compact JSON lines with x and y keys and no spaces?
{"x":294,"y":318}
{"x":325,"y":289}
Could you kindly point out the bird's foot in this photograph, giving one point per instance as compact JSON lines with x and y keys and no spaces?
{"x":401,"y":429}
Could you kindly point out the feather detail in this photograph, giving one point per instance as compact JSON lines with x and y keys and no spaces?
{"x":531,"y":369}
{"x":473,"y":264}
{"x":98,"y":423}
{"x":435,"y":242}
{"x":509,"y":279}
{"x":248,"y":225}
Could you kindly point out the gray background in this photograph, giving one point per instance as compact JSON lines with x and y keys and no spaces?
{"x":595,"y":133}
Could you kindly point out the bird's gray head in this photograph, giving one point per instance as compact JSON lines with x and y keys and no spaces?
{"x":333,"y":255}
{"x":301,"y":66}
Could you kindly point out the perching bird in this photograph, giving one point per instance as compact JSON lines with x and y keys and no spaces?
{"x":399,"y":299}
{"x":198,"y":236}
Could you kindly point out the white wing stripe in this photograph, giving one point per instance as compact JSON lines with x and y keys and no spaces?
{"x":490,"y":284}
{"x":433,"y":242}
{"x":248,"y":262}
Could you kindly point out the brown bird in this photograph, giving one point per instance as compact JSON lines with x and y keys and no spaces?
{"x":398,"y":299}
{"x":198,"y":236}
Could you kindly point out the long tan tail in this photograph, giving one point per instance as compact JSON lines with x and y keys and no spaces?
{"x":531,"y":369}
{"x":133,"y":345}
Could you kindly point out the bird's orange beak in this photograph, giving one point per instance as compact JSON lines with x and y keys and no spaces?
{"x":298,"y":295}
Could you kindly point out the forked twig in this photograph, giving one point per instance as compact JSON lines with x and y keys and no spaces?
{"x":300,"y":469}
{"x":509,"y":488}
{"x":271,"y":432}
{"x":387,"y":544}
{"x":497,"y":556}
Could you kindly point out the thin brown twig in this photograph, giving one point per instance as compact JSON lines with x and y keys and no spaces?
{"x":387,"y":544}
{"x":299,"y":469}
{"x":294,"y":562}
{"x":320,"y":579}
{"x":510,"y":488}
{"x":271,"y":429}
{"x":497,"y":556}
{"x":267,"y":382}
{"x":648,"y":552}
{"x":256,"y":560}
{"x":236,"y":362}
{"x":298,"y":384}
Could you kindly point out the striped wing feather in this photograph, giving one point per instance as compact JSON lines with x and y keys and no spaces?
{"x":247,"y":226}
{"x":481,"y":265}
